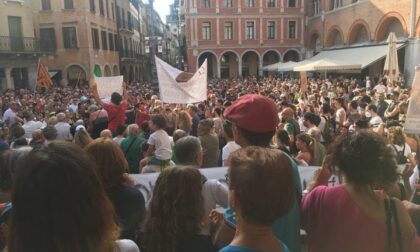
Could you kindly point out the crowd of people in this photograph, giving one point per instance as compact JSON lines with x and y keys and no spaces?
{"x":67,"y":159}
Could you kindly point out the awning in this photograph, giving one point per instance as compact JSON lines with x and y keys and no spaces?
{"x":272,"y":67}
{"x":353,"y":58}
{"x":288,"y":66}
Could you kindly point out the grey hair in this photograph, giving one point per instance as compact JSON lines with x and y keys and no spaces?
{"x":187,"y":149}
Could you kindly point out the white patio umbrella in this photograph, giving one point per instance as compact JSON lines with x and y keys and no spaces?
{"x":391,"y":70}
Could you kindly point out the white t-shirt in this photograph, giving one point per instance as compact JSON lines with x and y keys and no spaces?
{"x":30,"y":127}
{"x":229,"y":148}
{"x":375,"y":121}
{"x":63,"y":131}
{"x":162,"y":143}
{"x":337,"y":114}
{"x":9,"y":116}
{"x":126,"y":246}
{"x":214,"y":194}
{"x":73,"y":107}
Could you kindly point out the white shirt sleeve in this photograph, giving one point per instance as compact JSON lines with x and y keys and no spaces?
{"x":126,"y":246}
{"x":218,"y":191}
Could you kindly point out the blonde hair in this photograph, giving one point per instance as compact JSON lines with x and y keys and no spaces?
{"x":396,"y":135}
{"x":82,"y":138}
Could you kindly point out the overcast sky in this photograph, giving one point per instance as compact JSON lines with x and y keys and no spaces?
{"x":162,"y":7}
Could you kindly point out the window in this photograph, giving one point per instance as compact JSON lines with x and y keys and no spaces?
{"x":95,"y":38}
{"x":47,"y":41}
{"x":123,"y":17}
{"x":104,"y":40}
{"x":271,"y":3}
{"x":206,"y":3}
{"x":92,"y":6}
{"x":46,"y":4}
{"x":130,"y":21}
{"x":336,"y":4}
{"x":70,"y":37}
{"x":292,"y":29}
{"x":107,"y":8}
{"x":250,"y":30}
{"x":113,"y":11}
{"x":206,"y":31}
{"x":250,"y":3}
{"x":292,"y":3}
{"x":68,"y":4}
{"x":228,"y":30}
{"x":317,"y":7}
{"x":117,"y":46}
{"x":101,"y":7}
{"x":111,"y":41}
{"x":228,"y":3}
{"x":271,"y":30}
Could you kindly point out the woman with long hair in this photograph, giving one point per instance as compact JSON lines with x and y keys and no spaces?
{"x":283,"y":141}
{"x":305,"y":144}
{"x":112,"y":169}
{"x":185,"y":121}
{"x":357,"y":215}
{"x":82,"y":137}
{"x":59,"y":204}
{"x":176,"y":213}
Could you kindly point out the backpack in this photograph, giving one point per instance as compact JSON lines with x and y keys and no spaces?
{"x":328,"y":132}
{"x":401,"y":158}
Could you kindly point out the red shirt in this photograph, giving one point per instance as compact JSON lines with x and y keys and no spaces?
{"x":142,"y":116}
{"x":116,"y":114}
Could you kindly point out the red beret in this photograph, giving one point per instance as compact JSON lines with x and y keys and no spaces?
{"x":255,"y":113}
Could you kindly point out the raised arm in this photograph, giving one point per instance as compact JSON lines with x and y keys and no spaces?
{"x":95,"y":93}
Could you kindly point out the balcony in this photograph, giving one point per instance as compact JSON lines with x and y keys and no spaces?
{"x":18,"y":45}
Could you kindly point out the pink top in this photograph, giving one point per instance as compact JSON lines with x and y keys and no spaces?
{"x":334,"y":222}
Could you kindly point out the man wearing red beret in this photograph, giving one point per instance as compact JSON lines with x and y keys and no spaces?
{"x":254,"y":119}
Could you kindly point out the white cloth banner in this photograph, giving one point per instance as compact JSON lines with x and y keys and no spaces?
{"x":412,"y":122}
{"x":108,"y":85}
{"x":171,"y":91}
{"x":146,"y":182}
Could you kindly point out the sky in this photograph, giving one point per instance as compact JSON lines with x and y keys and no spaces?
{"x":162,"y":7}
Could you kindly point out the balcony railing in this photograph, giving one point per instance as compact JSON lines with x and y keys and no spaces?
{"x":19,"y":44}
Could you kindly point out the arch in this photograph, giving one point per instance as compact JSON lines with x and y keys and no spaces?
{"x":75,"y":73}
{"x":268,"y":55}
{"x":391,"y":22}
{"x":115,"y":70}
{"x":232,"y":51}
{"x":212,"y":62}
{"x":229,"y":64}
{"x":291,"y":55}
{"x":97,"y":71}
{"x":250,"y":63}
{"x":335,"y":37}
{"x":315,"y":42}
{"x":359,"y":32}
{"x":107,"y":71}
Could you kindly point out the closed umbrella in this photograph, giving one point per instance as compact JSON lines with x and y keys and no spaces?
{"x":391,"y":70}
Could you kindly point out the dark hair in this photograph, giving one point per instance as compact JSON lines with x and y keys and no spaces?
{"x":218,"y":111}
{"x":326,"y":108}
{"x":362,"y":123}
{"x":372,"y":107}
{"x":176,"y":209}
{"x":16,"y":131}
{"x":227,"y":128}
{"x":365,"y":159}
{"x":159,"y":121}
{"x":186,"y":150}
{"x":312,"y":118}
{"x":116,"y":98}
{"x":50,"y":133}
{"x":59,"y":185}
{"x":353,"y":104}
{"x":19,"y":142}
{"x":256,"y":138}
{"x":262,"y":180}
{"x":283,"y":136}
{"x":120,"y":129}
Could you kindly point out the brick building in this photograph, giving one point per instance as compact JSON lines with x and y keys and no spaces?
{"x":345,"y":23}
{"x":239,"y":37}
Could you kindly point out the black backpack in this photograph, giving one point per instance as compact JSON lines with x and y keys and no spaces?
{"x":401,"y":158}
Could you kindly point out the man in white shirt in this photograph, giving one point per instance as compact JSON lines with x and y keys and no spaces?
{"x":73,"y":107}
{"x":9,"y":116}
{"x":231,"y":146}
{"x":375,"y":119}
{"x":380,"y":88}
{"x":63,"y":128}
{"x":30,"y":125}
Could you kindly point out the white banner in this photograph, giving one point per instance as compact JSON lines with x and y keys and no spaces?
{"x":108,"y":85}
{"x":171,"y":91}
{"x":412,"y":121}
{"x":146,"y":182}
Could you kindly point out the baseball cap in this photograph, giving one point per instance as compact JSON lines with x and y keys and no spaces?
{"x":255,"y":113}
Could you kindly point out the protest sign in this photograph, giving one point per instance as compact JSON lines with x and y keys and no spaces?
{"x":108,"y":85}
{"x":191,"y":91}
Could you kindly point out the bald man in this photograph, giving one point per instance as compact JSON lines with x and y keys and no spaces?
{"x":291,"y":126}
{"x":106,"y":133}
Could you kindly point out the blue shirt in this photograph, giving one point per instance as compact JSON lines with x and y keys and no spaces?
{"x":287,"y":228}
{"x":243,"y":249}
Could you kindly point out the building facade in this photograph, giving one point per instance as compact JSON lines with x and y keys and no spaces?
{"x":239,"y":37}
{"x":19,"y":47}
{"x":365,"y":22}
{"x":80,"y":38}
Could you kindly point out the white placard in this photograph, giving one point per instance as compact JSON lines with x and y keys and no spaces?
{"x":108,"y":85}
{"x":171,"y":91}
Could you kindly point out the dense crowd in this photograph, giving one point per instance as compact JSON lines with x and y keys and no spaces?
{"x":69,"y":157}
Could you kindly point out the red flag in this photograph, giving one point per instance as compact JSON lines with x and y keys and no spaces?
{"x":43,"y":79}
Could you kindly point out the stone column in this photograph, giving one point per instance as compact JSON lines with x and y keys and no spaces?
{"x":9,"y":81}
{"x":239,"y":66}
{"x":260,"y":66}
